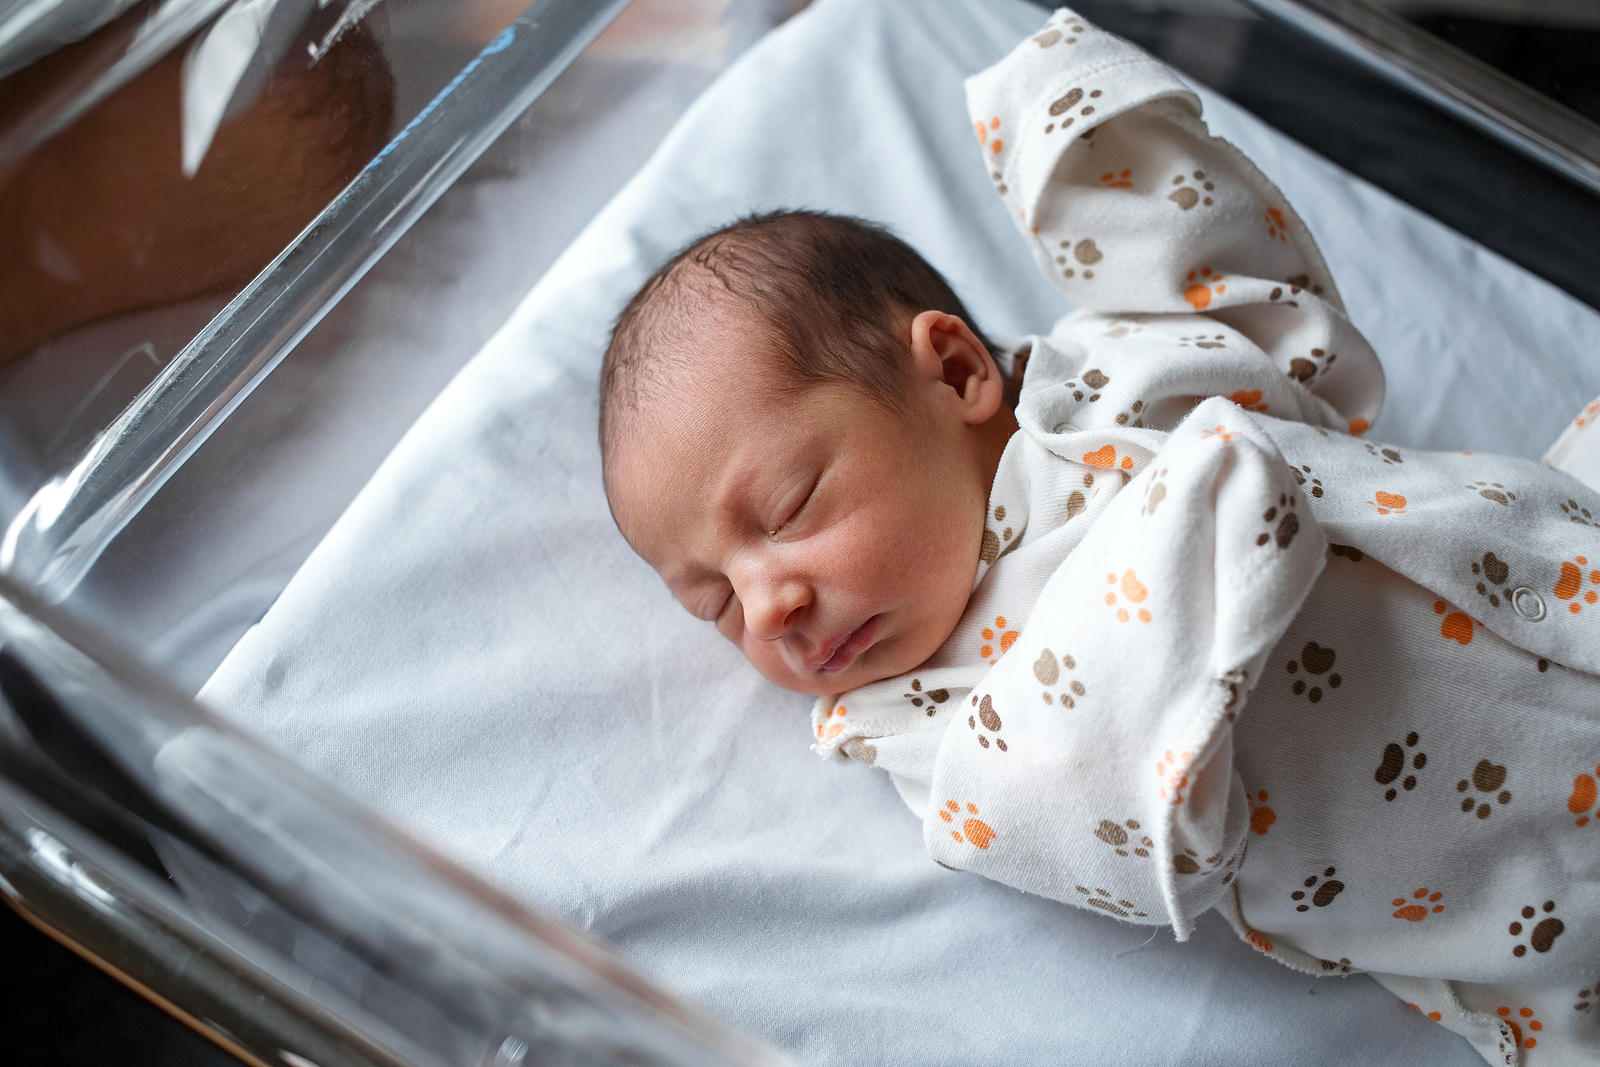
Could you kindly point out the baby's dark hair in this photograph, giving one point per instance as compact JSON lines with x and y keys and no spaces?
{"x":832,"y":290}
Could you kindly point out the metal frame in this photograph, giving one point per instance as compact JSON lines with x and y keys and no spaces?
{"x":1467,"y":88}
{"x":69,"y":522}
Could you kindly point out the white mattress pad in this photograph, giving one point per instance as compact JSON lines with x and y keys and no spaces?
{"x":474,"y":651}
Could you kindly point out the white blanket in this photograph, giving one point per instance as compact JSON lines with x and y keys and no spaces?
{"x":475,"y":652}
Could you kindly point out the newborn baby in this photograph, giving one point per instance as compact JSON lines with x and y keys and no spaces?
{"x":1130,"y":613}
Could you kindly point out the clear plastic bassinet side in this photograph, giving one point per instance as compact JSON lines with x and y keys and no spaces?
{"x":269,"y":912}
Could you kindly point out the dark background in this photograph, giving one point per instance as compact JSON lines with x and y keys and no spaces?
{"x":63,"y":1011}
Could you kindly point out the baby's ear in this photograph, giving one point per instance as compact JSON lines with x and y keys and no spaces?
{"x":945,"y":351}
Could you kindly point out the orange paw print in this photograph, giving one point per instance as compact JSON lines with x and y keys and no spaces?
{"x":1435,"y":1016}
{"x":1174,"y":771}
{"x":1361,"y":426}
{"x":1220,"y":431}
{"x":1261,"y":816}
{"x":1457,"y":625}
{"x":827,"y":731}
{"x":1106,"y":456}
{"x":1526,"y":1015}
{"x":983,"y":134}
{"x":1571,"y":582}
{"x":1276,"y":227}
{"x":1415,"y":913}
{"x":979,"y":833}
{"x":1203,"y":285}
{"x":1259,"y":940}
{"x":1249,"y":399}
{"x":1007,"y":638}
{"x":1588,"y":414}
{"x":1113,"y":180}
{"x":1583,"y":796}
{"x":1388,"y":503}
{"x":1132,"y":588}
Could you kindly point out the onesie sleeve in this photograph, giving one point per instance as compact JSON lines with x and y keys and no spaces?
{"x":1131,"y":207}
{"x":1114,"y":786}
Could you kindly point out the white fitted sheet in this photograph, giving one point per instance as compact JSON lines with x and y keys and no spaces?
{"x":474,"y":651}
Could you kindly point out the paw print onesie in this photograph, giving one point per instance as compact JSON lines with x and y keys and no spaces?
{"x":1222,"y":653}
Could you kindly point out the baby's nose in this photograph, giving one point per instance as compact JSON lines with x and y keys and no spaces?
{"x":773,"y":611}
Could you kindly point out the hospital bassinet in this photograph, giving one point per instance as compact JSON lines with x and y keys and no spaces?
{"x":290,"y":924}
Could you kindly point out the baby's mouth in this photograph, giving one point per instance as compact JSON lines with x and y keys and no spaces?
{"x":846,"y":651}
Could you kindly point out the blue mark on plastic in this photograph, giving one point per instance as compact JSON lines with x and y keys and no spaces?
{"x":499,"y":44}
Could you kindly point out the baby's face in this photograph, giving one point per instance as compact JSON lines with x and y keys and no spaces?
{"x":834,"y":542}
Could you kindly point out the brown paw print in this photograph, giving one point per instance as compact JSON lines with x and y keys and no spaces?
{"x":978,"y":833}
{"x":1093,"y":382}
{"x":1208,"y":341}
{"x":1300,"y":477}
{"x":995,"y":544}
{"x":1324,"y":893}
{"x":1203,"y":286}
{"x":1349,"y":552}
{"x":1316,"y":661}
{"x":1277,"y":296}
{"x":1493,"y":491}
{"x":1077,"y":504}
{"x":1069,"y":101}
{"x":1421,"y":905}
{"x":1394,"y":763}
{"x":1542,"y":936}
{"x":1261,"y":816}
{"x":1134,"y":590}
{"x":1086,"y":252}
{"x":1582,"y":799}
{"x":1276,"y":227}
{"x":1187,"y":196}
{"x":1105,"y":902}
{"x":1341,"y":965}
{"x":932,"y":697}
{"x":1570,"y":584}
{"x":1048,"y":670}
{"x":1116,"y":835}
{"x":1495,"y":574}
{"x":1486,"y":778}
{"x":1188,"y":862}
{"x":1132,"y":412}
{"x":1303,"y":281}
{"x":989,"y":719}
{"x":1154,"y":493}
{"x":1288,"y":523}
{"x":1586,"y":997}
{"x":1578,"y":514}
{"x":1520,"y":1020}
{"x":1389,"y":456}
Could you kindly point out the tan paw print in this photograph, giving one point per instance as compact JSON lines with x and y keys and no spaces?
{"x":1085,"y":252}
{"x":995,"y":544}
{"x":978,"y":833}
{"x":1048,"y":671}
{"x":1203,"y":286}
{"x":1187,"y":196}
{"x":1093,"y":381}
{"x":1120,"y":328}
{"x":1132,"y":413}
{"x":1103,"y":900}
{"x":1201,"y":340}
{"x":1154,"y":493}
{"x":1069,"y":101}
{"x":1122,"y":843}
{"x":1578,"y":514}
{"x":1133,"y":590}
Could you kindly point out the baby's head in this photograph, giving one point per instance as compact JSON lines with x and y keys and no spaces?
{"x":799,"y":429}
